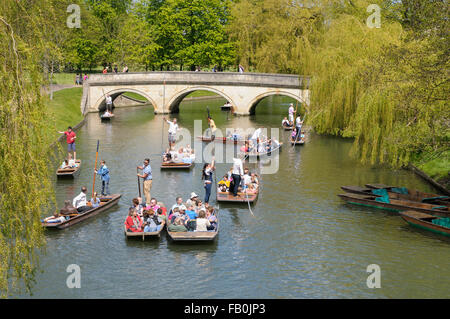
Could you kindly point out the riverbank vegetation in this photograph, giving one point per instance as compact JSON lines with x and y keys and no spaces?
{"x":65,"y":109}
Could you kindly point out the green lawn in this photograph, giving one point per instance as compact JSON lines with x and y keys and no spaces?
{"x":437,"y":167}
{"x":65,"y":108}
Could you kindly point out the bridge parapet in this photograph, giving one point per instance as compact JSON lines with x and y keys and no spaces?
{"x":165,"y":90}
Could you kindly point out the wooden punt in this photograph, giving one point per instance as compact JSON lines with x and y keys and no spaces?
{"x":106,"y":117}
{"x":395,"y":205}
{"x":287,"y":128}
{"x":223,"y":140}
{"x":172,"y":165}
{"x":258,"y":155}
{"x":226,"y":107}
{"x":425,"y":221}
{"x":415,"y":196}
{"x":69,"y":172}
{"x":298,"y":142}
{"x":142,"y":235}
{"x":193,"y":236}
{"x":105,"y":203}
{"x":240,"y":198}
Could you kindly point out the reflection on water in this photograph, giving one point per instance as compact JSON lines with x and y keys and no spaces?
{"x":302,"y":242}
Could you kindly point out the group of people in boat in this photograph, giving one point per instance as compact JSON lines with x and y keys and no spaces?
{"x":183,"y":155}
{"x":192,"y":215}
{"x":261,"y":145}
{"x":79,"y":205}
{"x":238,"y":180}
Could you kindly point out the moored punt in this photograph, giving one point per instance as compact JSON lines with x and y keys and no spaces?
{"x":395,"y":205}
{"x":427,"y":222}
{"x":240,"y":198}
{"x":105,"y":204}
{"x":415,"y":196}
{"x":142,"y":235}
{"x":68,"y":172}
{"x":173,"y":165}
{"x":193,"y":236}
{"x":224,"y":140}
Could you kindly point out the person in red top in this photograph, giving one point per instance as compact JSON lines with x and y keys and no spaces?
{"x":133,"y":222}
{"x":70,"y":138}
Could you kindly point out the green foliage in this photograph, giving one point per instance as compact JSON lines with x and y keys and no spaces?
{"x":25,"y":188}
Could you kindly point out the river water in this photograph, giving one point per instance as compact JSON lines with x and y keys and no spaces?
{"x":302,"y":242}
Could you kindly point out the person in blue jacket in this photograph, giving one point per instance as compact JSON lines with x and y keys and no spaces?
{"x":104,"y":173}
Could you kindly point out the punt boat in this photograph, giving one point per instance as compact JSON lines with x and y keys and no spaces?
{"x":427,"y":222}
{"x":240,"y":198}
{"x":194,"y":236}
{"x":396,"y":205}
{"x":69,"y":172}
{"x":173,"y":165}
{"x":105,"y":203}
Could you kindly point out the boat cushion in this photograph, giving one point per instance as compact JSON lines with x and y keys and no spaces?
{"x":380,"y":192}
{"x":382,"y":199}
{"x":445,"y":222}
{"x":400,"y":190}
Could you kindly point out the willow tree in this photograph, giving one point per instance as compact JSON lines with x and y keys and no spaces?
{"x":25,"y":188}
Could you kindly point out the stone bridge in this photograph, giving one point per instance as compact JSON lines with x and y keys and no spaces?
{"x":166,"y":90}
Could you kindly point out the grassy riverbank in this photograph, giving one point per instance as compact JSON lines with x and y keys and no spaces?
{"x":435,"y":165}
{"x":65,"y":108}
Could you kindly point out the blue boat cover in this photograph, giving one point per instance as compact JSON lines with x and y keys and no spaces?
{"x":400,"y":190}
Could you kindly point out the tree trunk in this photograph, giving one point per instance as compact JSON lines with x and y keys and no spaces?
{"x":51,"y":82}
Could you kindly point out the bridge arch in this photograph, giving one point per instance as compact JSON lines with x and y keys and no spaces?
{"x":101,"y":105}
{"x":252,"y":106}
{"x":175,"y":100}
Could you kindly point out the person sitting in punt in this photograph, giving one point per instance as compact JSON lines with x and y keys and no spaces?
{"x":162,"y":215}
{"x":56,"y":218}
{"x":137,"y":205}
{"x":211,"y":216}
{"x":294,"y":136}
{"x":65,"y":164}
{"x":224,"y":184}
{"x":235,"y":135}
{"x":167,"y":156}
{"x":246,"y":147}
{"x":80,"y":201}
{"x":153,"y":204}
{"x":133,"y":222}
{"x":179,"y":202}
{"x":163,"y":208}
{"x":254,"y":179}
{"x":68,"y":209}
{"x":152,"y":223}
{"x":269,"y":146}
{"x":198,"y":205}
{"x":192,"y":215}
{"x":174,"y":214}
{"x":202,"y":223}
{"x":285,"y":122}
{"x":177,"y":226}
{"x":251,"y":189}
{"x":95,"y":201}
{"x":192,"y":200}
{"x":246,"y":179}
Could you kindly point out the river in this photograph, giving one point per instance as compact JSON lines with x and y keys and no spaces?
{"x":302,"y":242}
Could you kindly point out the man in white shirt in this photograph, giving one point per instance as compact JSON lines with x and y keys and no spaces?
{"x":255,"y":137}
{"x":237,"y":172}
{"x":179,"y":203}
{"x":80,"y":201}
{"x":173,"y":129}
{"x":108,"y":104}
{"x":298,"y":127}
{"x":291,"y":113}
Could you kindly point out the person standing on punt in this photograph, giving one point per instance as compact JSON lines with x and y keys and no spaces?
{"x":237,"y":172}
{"x":108,"y":103}
{"x":147,"y":176}
{"x":104,"y":173}
{"x":212,"y":127}
{"x":173,"y":129}
{"x":291,"y":114}
{"x":207,"y":176}
{"x":70,"y":139}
